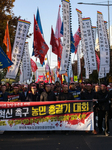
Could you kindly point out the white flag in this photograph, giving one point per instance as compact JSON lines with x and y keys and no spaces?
{"x":89,"y":44}
{"x":104,"y":46}
{"x":87,"y":70}
{"x":17,"y":52}
{"x":94,"y":33}
{"x":26,"y":63}
{"x":66,"y":37}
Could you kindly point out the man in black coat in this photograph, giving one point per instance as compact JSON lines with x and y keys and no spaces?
{"x":24,"y":93}
{"x":74,"y":91}
{"x":40,"y":88}
{"x":14,"y":96}
{"x":65,"y":95}
{"x":88,"y":94}
{"x":103,"y":103}
{"x":4,"y":94}
{"x":57,"y":92}
{"x":47,"y":95}
{"x":33,"y":96}
{"x":95,"y":105}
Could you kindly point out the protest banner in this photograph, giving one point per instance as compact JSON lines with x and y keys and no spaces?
{"x":80,"y":22}
{"x":103,"y":46}
{"x":66,"y":37}
{"x":45,"y":116}
{"x":26,"y":63}
{"x":89,"y":44}
{"x":13,"y":98}
{"x":18,"y":47}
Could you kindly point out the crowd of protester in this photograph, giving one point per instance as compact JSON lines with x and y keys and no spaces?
{"x":101,"y":95}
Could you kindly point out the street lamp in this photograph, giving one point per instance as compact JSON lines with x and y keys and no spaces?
{"x":95,"y":4}
{"x":100,"y":4}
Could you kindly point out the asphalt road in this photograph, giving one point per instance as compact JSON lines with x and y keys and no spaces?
{"x":55,"y":141}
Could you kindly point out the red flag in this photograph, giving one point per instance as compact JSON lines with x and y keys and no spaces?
{"x":33,"y":66}
{"x":77,"y":39}
{"x":41,"y":59}
{"x":56,"y":46}
{"x":98,"y":61}
{"x":53,"y":42}
{"x":58,"y":36}
{"x":40,"y":47}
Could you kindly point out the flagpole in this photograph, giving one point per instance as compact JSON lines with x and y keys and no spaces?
{"x":47,"y":59}
{"x":58,"y":39}
{"x":49,"y":66}
{"x":81,"y":70}
{"x":58,"y":28}
{"x":50,"y":55}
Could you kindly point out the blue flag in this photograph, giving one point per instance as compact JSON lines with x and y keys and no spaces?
{"x":72,"y":44}
{"x":39,"y":21}
{"x":43,"y":64}
{"x":61,"y":31}
{"x":33,"y":53}
{"x":72,"y":39}
{"x":4,"y":60}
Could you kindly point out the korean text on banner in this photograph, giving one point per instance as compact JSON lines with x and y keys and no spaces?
{"x":89,"y":44}
{"x":66,"y":37}
{"x":26,"y":63}
{"x":21,"y":33}
{"x":83,"y":43}
{"x":103,"y":46}
{"x":44,"y":116}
